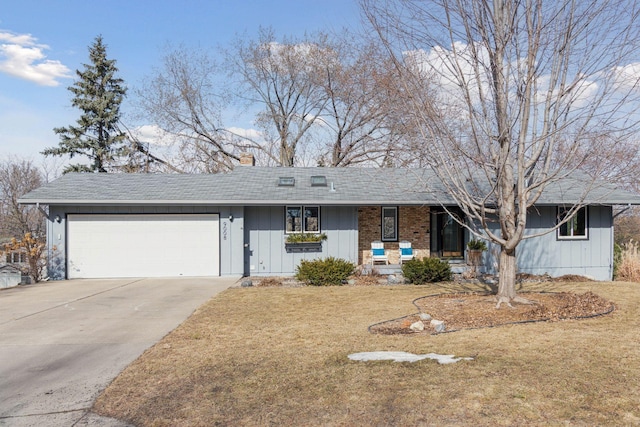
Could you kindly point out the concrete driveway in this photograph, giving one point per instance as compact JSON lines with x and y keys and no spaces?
{"x":62,"y":343}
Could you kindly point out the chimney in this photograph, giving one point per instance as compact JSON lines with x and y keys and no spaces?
{"x":246,"y":159}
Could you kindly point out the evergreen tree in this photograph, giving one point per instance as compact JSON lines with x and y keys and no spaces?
{"x":98,"y":94}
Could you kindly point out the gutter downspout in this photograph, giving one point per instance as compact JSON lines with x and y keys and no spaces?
{"x":49,"y":235}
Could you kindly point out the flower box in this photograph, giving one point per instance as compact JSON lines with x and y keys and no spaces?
{"x":303,"y":247}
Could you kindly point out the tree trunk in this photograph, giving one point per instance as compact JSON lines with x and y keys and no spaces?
{"x":507,"y":276}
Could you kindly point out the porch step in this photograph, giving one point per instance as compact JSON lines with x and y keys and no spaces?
{"x":459,"y":268}
{"x":382,"y":269}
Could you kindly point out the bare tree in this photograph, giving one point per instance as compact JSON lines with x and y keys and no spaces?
{"x":22,"y":227}
{"x":184,"y":98}
{"x":33,"y":247}
{"x":355,"y":126}
{"x":139,"y":157}
{"x":314,"y":99}
{"x":627,"y":226}
{"x":282,"y":78}
{"x":18,"y":177}
{"x":508,"y":97}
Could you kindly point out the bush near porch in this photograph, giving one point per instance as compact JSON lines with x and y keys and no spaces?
{"x":324,"y":272}
{"x":426,"y":270}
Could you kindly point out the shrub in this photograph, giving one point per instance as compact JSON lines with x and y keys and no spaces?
{"x":324,"y":272}
{"x":477,"y":245}
{"x":617,"y":258}
{"x":427,"y":270}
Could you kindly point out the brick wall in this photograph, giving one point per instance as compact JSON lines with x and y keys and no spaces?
{"x":413,"y":226}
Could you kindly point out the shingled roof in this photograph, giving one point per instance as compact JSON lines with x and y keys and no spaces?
{"x":263,"y":186}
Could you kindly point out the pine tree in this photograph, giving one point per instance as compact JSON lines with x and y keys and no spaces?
{"x":98,"y":94}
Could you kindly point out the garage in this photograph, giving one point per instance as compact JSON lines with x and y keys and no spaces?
{"x":145,"y":245}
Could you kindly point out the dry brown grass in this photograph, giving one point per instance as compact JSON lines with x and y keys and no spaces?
{"x":278,"y":356}
{"x":629,"y":264}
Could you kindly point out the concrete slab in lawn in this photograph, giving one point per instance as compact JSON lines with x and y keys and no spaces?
{"x":62,"y":343}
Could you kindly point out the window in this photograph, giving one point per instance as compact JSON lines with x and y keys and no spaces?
{"x":319,"y":181}
{"x":16,"y":257}
{"x":389,"y":224}
{"x":575,"y":227}
{"x":286,"y":181}
{"x":302,"y":219}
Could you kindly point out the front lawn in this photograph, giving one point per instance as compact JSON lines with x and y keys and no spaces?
{"x":278,"y":356}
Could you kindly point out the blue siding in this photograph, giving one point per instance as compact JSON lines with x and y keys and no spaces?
{"x":547,"y":254}
{"x":266,"y":236}
{"x":252,"y":240}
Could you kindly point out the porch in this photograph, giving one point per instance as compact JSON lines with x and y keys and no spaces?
{"x":430,"y":230}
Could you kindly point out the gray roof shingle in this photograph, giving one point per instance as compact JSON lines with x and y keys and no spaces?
{"x":259,"y":186}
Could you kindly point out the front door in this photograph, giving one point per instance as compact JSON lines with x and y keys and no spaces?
{"x":447,"y":235}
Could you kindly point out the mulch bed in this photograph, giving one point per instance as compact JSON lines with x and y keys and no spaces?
{"x":471,"y":311}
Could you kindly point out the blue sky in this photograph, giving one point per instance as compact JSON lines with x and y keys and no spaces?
{"x":43,"y":42}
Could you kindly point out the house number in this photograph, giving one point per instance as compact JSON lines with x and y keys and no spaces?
{"x":224,"y":230}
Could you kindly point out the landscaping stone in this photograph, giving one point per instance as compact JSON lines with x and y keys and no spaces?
{"x":425,"y":316}
{"x":417,"y":326}
{"x":438,"y":325}
{"x":393,"y":280}
{"x":246,"y":283}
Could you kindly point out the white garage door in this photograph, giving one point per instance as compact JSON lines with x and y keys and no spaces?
{"x":142,"y":245}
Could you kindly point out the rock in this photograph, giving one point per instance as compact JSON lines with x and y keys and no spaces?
{"x":438,"y":325}
{"x":425,"y":316}
{"x":246,"y":283}
{"x":351,"y":282}
{"x":417,"y":326}
{"x":392,"y":280}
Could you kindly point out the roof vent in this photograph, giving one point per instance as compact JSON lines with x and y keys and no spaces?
{"x":286,"y":181}
{"x":319,"y":181}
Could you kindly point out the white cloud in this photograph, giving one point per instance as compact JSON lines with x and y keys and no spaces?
{"x":21,"y":39}
{"x":252,"y":134}
{"x":153,"y":134}
{"x":453,"y":74}
{"x":22,"y":57}
{"x":627,"y":77}
{"x":279,"y":57}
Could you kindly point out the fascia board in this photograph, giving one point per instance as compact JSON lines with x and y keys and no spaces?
{"x":75,"y":202}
